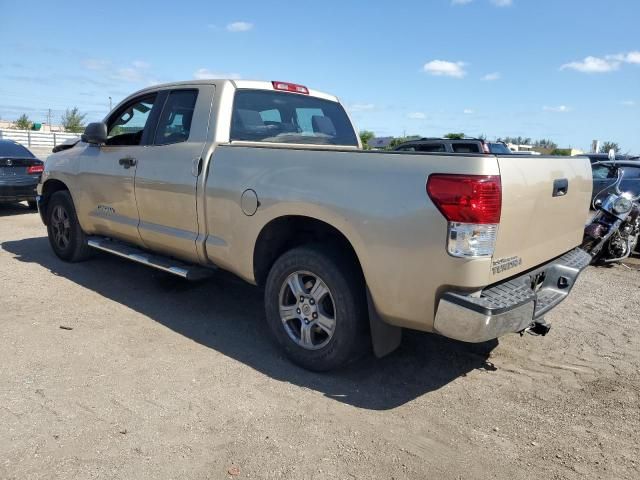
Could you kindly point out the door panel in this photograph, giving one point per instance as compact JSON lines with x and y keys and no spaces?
{"x":106,"y":202}
{"x":167,"y":174}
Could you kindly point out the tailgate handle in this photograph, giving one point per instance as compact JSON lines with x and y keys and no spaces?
{"x":560,"y":187}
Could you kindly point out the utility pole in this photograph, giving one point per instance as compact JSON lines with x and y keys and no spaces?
{"x":110,"y":106}
{"x":49,"y":119}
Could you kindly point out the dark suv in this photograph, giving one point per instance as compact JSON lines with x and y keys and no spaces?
{"x":604,"y":177}
{"x":447,"y":145}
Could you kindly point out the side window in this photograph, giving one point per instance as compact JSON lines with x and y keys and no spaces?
{"x":600,"y":172}
{"x":174,"y":124}
{"x":127,"y":125}
{"x":407,"y":149}
{"x":434,"y":147}
{"x":465,"y":148}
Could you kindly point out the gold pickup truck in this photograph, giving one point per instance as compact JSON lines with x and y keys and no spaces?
{"x":268,"y":180}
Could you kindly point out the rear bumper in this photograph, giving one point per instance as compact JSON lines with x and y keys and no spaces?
{"x":18,"y":190}
{"x":510,"y":306}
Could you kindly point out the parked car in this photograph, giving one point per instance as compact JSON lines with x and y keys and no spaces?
{"x":447,"y":145}
{"x":604,"y":176}
{"x":268,"y":180}
{"x":20,"y":173}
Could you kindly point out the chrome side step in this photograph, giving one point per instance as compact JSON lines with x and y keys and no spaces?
{"x":167,"y":264}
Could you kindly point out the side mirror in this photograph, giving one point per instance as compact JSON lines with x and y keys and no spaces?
{"x":95,"y":133}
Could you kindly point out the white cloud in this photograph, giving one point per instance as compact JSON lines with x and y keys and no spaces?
{"x":417,"y":116}
{"x":468,"y":111}
{"x":445,"y":68}
{"x":558,"y":109}
{"x":460,"y":2}
{"x":239,"y":26}
{"x":502,"y":3}
{"x":205,"y":73}
{"x":604,"y":64}
{"x":633,"y":57}
{"x":593,"y":65}
{"x":490,"y":77}
{"x":628,"y":103}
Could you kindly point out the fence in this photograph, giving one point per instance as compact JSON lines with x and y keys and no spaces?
{"x":35,"y":139}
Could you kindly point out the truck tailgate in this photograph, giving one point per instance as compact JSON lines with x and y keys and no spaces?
{"x":536,"y":226}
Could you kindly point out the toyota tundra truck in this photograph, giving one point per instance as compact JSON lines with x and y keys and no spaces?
{"x":269,"y":181}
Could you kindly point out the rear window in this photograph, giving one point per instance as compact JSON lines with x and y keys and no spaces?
{"x":10,"y":149}
{"x":465,"y":147}
{"x":279,"y":117}
{"x":499,"y":149}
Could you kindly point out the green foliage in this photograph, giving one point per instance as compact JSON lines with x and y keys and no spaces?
{"x":545,"y":143}
{"x":606,"y":146}
{"x":398,"y":140}
{"x":454,"y":136}
{"x":73,"y":121}
{"x":516,"y":140}
{"x":561,"y":152}
{"x":365,"y":136}
{"x":23,"y":123}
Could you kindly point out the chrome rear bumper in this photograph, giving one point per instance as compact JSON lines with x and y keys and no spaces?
{"x":510,"y":306}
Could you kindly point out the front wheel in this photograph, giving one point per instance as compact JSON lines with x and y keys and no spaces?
{"x":66,"y":238}
{"x":316,"y":307}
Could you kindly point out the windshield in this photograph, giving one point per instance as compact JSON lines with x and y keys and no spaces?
{"x":278,"y":117}
{"x":10,"y":149}
{"x":499,"y":148}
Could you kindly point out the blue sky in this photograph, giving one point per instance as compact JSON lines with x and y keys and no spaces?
{"x":568,"y":70}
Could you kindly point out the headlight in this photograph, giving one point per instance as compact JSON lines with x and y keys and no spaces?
{"x":622,"y":205}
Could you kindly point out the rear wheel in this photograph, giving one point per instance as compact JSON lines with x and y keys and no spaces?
{"x":66,"y":238}
{"x":315,"y":306}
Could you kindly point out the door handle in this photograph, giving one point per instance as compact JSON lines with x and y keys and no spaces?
{"x":196,"y":167}
{"x":128,"y":162}
{"x":560,"y":187}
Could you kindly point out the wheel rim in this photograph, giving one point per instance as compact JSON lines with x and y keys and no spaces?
{"x":307,"y":310}
{"x":61,"y":227}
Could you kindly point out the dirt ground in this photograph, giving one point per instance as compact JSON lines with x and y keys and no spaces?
{"x":112,"y":370}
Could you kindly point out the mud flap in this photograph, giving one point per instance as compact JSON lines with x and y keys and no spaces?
{"x":385,"y":338}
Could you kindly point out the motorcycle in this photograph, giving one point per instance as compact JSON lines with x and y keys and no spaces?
{"x":612,"y":235}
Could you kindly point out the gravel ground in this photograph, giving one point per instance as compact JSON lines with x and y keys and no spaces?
{"x":111,"y":370}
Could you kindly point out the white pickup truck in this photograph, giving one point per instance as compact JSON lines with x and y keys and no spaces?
{"x":268,"y":180}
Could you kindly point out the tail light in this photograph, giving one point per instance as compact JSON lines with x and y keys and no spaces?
{"x":290,"y":87}
{"x":33,"y":169}
{"x":472,"y":205}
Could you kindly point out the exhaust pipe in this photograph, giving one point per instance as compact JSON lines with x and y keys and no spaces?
{"x":538,"y":328}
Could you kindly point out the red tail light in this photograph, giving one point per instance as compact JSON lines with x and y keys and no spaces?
{"x":467,"y":198}
{"x":33,"y":169}
{"x":290,"y":87}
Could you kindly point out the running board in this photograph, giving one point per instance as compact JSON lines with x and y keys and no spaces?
{"x":166,"y":264}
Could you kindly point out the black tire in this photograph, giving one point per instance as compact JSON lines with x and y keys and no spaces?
{"x":350,"y":336}
{"x":33,"y":205}
{"x":61,"y":215}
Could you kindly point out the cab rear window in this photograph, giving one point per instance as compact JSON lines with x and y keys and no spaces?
{"x":280,"y":117}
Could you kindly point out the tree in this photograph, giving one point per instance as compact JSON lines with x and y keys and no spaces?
{"x":23,"y":123}
{"x":365,"y":136}
{"x":73,"y":121}
{"x":606,"y":146}
{"x":454,"y":136}
{"x":545,"y":143}
{"x":399,"y":140}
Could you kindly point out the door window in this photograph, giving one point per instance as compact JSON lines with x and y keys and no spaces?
{"x":127,"y":125}
{"x":174,"y":125}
